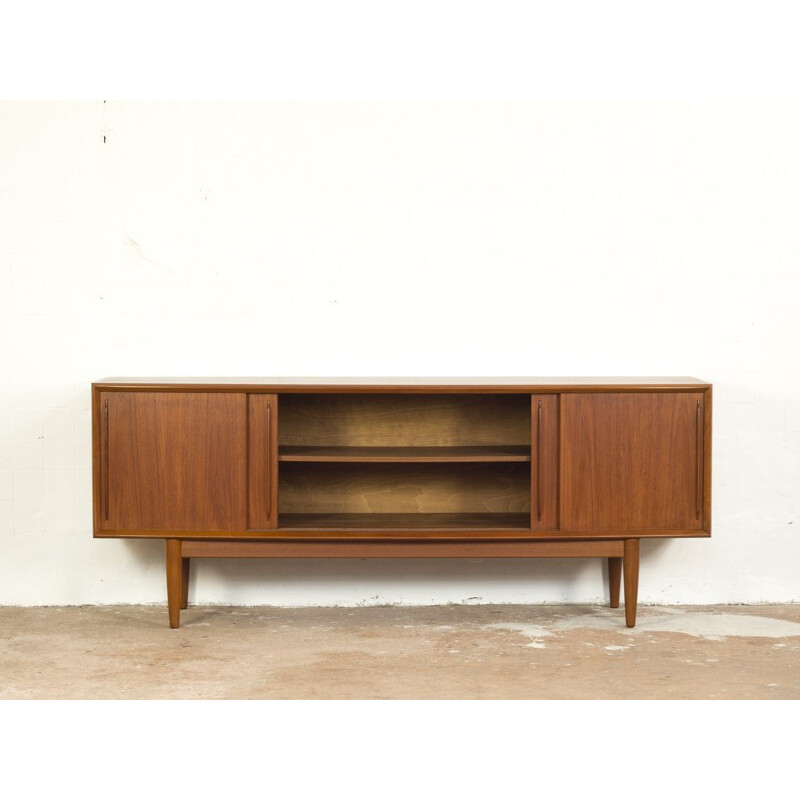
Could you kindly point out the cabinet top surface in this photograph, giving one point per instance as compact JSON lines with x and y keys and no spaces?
{"x":425,"y":384}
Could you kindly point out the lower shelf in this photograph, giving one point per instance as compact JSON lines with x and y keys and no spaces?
{"x":350,"y":522}
{"x":398,"y":455}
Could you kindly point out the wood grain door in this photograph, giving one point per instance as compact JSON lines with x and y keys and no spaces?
{"x":262,"y":427}
{"x":631,"y":462}
{"x":544,"y":462}
{"x":173,"y":461}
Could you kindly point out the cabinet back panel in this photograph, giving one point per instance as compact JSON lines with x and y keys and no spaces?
{"x":403,"y":488}
{"x":374,"y":420}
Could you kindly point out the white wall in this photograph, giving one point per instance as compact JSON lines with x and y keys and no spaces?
{"x":398,"y":239}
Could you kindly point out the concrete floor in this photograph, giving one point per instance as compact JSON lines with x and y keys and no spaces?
{"x":440,"y":652}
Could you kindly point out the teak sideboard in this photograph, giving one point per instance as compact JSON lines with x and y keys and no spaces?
{"x":408,"y":468}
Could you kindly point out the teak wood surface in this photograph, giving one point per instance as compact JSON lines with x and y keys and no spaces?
{"x":631,"y":461}
{"x":408,"y":455}
{"x":171,"y":462}
{"x":399,"y":386}
{"x":219,"y":548}
{"x":262,"y":461}
{"x":408,"y":525}
{"x":544,"y":462}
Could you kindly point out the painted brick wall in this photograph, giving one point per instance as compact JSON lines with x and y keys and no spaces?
{"x":398,"y":239}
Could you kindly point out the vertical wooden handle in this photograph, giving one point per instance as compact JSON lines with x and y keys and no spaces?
{"x":105,"y":460}
{"x":539,"y":464}
{"x":268,"y":458}
{"x":699,"y":460}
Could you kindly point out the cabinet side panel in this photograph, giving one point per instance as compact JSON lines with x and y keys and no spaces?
{"x":174,"y":461}
{"x":707,"y":413}
{"x":262,"y":462}
{"x":630,"y":461}
{"x":97,"y":478}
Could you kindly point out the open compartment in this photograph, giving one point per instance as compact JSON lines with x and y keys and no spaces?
{"x":404,"y":495}
{"x":373,"y":427}
{"x":375,"y":461}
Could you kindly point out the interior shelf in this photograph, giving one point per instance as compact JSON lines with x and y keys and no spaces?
{"x":431,"y":455}
{"x":412,"y":521}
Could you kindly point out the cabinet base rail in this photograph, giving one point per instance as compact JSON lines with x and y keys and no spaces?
{"x":622,"y":555}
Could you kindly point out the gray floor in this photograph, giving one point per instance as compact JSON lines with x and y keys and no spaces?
{"x":465,"y":652}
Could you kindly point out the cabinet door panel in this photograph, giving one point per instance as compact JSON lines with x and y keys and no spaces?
{"x":262,"y":512}
{"x":544,"y":462}
{"x":173,"y":461}
{"x":631,"y":461}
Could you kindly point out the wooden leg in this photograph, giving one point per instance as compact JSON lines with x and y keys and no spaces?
{"x":630,"y":566}
{"x":174,"y":573}
{"x":614,"y":579}
{"x":185,"y":582}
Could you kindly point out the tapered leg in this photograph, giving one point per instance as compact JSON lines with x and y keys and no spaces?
{"x":630,"y":566}
{"x":185,"y":582}
{"x":614,"y":579}
{"x":174,"y":574}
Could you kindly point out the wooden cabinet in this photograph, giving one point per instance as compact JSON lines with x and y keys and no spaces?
{"x":402,"y":468}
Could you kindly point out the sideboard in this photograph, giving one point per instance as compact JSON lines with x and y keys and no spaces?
{"x":402,"y":468}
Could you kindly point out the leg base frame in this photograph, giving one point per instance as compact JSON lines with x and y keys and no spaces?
{"x":622,"y":555}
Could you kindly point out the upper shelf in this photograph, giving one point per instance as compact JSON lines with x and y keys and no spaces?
{"x":406,"y":454}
